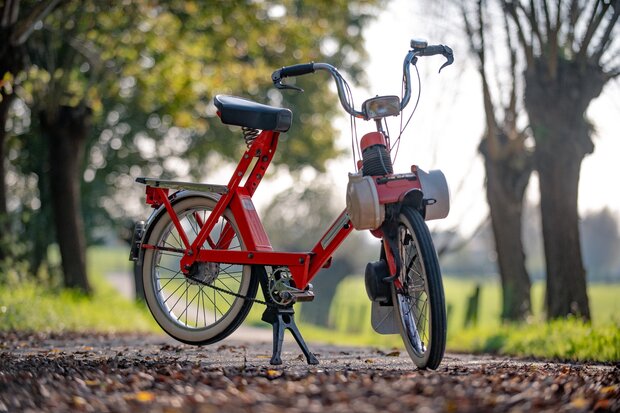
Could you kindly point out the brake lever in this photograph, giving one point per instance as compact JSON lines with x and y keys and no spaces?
{"x":277,"y":82}
{"x":449,"y":55}
{"x":281,"y":85}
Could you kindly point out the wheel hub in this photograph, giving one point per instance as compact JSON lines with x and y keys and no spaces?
{"x":203,"y":272}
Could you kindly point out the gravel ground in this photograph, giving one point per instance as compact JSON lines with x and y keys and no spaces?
{"x":122,"y":373}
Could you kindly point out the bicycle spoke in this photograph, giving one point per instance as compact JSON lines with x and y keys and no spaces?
{"x":204,"y":305}
{"x":168,"y":269}
{"x":177,"y":289}
{"x":223,"y":298}
{"x":169,"y":281}
{"x":187,"y":304}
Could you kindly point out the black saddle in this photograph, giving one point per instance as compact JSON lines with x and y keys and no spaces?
{"x":243,"y":112}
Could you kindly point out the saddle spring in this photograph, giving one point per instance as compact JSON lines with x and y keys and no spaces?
{"x":249,"y":134}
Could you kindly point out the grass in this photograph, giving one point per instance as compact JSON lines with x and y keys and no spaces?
{"x":569,"y":339}
{"x":31,"y":306}
{"x":561,"y":339}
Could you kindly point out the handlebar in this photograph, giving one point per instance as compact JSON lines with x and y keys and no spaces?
{"x":419,"y":48}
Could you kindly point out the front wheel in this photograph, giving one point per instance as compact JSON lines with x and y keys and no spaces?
{"x":418,"y":296}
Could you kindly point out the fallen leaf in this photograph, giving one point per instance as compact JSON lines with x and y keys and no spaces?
{"x":78,"y":401}
{"x":144,"y":396}
{"x":601,"y":405}
{"x":580,"y":403}
{"x":272,"y":374}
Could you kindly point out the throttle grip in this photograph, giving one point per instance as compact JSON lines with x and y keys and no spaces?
{"x":441,"y":49}
{"x":287,"y":71}
{"x":297,"y":70}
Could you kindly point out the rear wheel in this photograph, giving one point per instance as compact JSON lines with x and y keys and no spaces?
{"x":190,"y":311}
{"x":419,"y":299}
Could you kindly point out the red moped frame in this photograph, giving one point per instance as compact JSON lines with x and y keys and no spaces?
{"x":238,"y":197}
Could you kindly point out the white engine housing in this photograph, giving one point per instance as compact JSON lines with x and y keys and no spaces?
{"x":363,"y":205}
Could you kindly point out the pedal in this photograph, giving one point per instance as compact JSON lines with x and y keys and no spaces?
{"x":302,"y":296}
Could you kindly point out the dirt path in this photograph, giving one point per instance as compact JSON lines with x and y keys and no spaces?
{"x":152,"y":373}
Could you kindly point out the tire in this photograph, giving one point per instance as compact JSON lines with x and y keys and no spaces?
{"x":188,"y":311}
{"x":419,"y":303}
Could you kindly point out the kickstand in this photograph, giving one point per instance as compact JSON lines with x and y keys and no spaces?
{"x":283,"y":318}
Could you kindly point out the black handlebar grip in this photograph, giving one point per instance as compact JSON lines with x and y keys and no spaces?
{"x":434,"y":50}
{"x":297,"y":70}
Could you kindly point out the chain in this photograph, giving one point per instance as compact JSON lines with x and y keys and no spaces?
{"x":222,"y":290}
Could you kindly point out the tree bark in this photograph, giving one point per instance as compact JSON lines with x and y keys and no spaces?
{"x":67,"y":130}
{"x":506,"y":181}
{"x":5,"y":104}
{"x":556,"y":105}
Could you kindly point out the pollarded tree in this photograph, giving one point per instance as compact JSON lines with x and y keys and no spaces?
{"x":571,"y":51}
{"x":507,"y":160}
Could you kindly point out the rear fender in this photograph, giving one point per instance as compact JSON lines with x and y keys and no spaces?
{"x":161,"y":211}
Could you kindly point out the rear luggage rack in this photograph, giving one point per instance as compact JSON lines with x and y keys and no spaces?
{"x":161,"y":183}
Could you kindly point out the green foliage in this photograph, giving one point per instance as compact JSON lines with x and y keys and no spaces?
{"x":31,"y":306}
{"x":569,"y":339}
{"x":38,"y":306}
{"x":149,"y":70}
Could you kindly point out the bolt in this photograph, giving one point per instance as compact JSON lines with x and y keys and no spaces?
{"x":301,"y":260}
{"x":250,"y":255}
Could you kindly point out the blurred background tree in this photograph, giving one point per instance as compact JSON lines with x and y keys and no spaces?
{"x":570,"y":55}
{"x":17,"y":23}
{"x":296,"y":219}
{"x":557,"y":58}
{"x":125,"y":91}
{"x":507,"y":160}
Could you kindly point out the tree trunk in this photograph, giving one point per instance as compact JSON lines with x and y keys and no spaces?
{"x":507,"y":179}
{"x":556,"y":105}
{"x":5,"y":104}
{"x":67,"y":130}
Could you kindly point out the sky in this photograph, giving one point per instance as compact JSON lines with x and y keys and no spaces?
{"x":445,"y":130}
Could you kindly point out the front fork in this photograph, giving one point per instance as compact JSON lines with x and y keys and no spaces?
{"x":381,"y":274}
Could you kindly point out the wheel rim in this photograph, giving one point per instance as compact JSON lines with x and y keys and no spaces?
{"x":186,"y":304}
{"x":412,"y":296}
